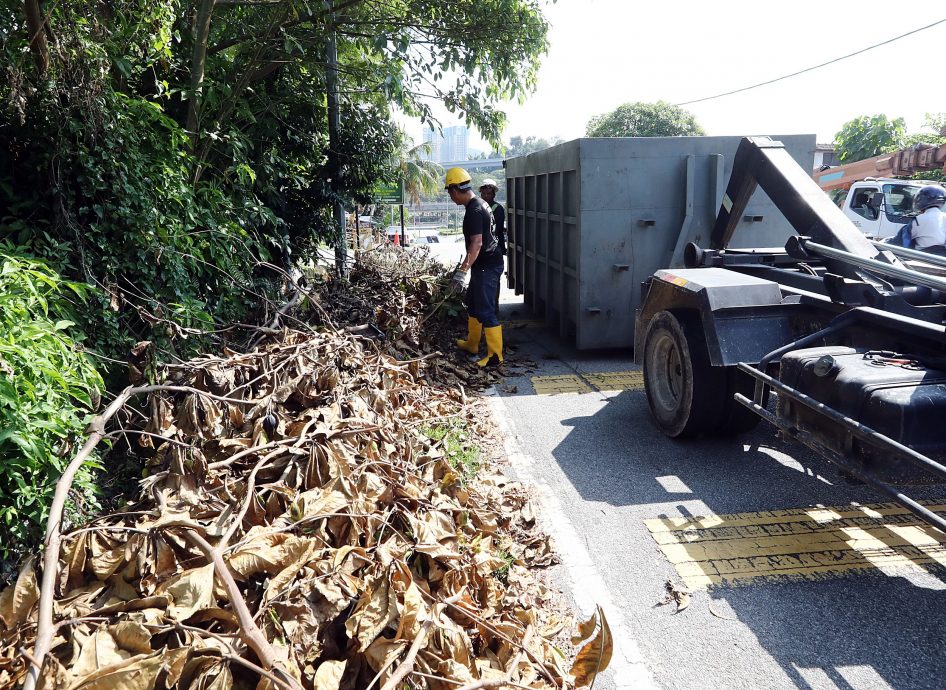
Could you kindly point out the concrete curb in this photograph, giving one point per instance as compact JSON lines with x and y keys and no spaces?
{"x":587,"y":587}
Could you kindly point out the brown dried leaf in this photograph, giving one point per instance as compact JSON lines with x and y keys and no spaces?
{"x":17,"y":601}
{"x":107,"y":556}
{"x":595,"y":656}
{"x":328,"y":676}
{"x":585,"y":629}
{"x":374,"y":611}
{"x":190,"y":591}
{"x":74,"y":557}
{"x":132,"y":636}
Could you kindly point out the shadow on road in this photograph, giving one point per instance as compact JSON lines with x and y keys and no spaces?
{"x":822,"y":634}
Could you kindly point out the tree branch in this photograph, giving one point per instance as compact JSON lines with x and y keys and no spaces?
{"x":198,"y":64}
{"x":45,"y":629}
{"x":36,"y":25}
{"x":249,"y":631}
{"x":405,"y":666}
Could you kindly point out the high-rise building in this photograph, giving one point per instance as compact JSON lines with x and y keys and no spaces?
{"x":431,"y":152}
{"x":449,"y":146}
{"x":454,"y":147}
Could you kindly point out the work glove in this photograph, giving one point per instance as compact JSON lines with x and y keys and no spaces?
{"x":457,"y":281}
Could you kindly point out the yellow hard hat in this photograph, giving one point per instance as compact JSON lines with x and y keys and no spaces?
{"x":458,"y":177}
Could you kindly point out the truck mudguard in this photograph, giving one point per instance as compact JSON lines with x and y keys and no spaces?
{"x":743,"y":317}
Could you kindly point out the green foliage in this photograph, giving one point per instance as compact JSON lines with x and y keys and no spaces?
{"x":163,"y":165}
{"x":47,"y":386}
{"x":522,"y":147}
{"x":502,"y":572}
{"x":455,"y":442}
{"x":639,"y":119}
{"x":868,"y":136}
{"x":100,"y":175}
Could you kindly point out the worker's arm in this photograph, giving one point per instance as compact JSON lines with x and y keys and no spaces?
{"x":476,"y":243}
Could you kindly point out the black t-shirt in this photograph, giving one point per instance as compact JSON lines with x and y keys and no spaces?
{"x":499,"y":223}
{"x":478,"y":220}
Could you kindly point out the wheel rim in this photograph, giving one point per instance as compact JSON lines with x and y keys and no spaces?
{"x":666,"y":383}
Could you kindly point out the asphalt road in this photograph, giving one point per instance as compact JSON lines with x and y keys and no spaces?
{"x":602,"y":470}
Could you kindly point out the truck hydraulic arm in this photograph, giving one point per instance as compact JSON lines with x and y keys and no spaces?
{"x":762,"y":162}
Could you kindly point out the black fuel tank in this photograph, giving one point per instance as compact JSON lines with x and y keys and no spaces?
{"x":895,"y":394}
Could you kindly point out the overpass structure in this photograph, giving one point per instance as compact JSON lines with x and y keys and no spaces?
{"x":476,"y":164}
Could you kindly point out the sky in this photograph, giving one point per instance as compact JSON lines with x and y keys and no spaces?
{"x":607,"y":52}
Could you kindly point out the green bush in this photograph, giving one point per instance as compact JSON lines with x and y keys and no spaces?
{"x":47,"y":385}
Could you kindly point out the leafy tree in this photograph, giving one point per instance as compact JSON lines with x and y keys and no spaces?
{"x":157,"y":136}
{"x":868,"y":136}
{"x":658,"y":119}
{"x":522,"y":147}
{"x":161,"y":151}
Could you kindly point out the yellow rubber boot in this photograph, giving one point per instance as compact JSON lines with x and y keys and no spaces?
{"x":474,"y":332}
{"x":494,"y":346}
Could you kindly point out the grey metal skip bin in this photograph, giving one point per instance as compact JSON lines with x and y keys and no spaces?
{"x":590,"y":219}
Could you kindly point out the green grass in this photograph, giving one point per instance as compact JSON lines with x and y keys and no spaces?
{"x":462,"y":455}
{"x":502,"y":573}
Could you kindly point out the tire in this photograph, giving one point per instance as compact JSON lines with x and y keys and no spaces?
{"x":684,"y":392}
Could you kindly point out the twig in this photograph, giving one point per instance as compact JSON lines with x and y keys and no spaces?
{"x":250,"y":496}
{"x":45,"y":630}
{"x":405,"y":666}
{"x":507,"y":681}
{"x":233,"y":656}
{"x":458,"y":683}
{"x":538,"y":662}
{"x":249,"y":631}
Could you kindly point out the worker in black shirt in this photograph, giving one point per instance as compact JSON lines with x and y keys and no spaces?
{"x":484,"y":262}
{"x":488,"y":192}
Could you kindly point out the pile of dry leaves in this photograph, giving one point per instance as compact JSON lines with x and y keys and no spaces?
{"x":297,"y":528}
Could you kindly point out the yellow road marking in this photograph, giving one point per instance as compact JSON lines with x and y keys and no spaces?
{"x":798,"y":544}
{"x":601,"y":381}
{"x":617,"y":380}
{"x":554,"y":385}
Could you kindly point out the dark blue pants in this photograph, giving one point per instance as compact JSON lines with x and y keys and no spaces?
{"x":481,"y":294}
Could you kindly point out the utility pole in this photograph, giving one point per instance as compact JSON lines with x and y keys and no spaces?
{"x":334,"y":124}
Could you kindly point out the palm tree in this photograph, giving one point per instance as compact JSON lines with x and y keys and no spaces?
{"x":419,"y":176}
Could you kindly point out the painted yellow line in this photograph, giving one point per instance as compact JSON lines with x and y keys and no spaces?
{"x":617,"y":380}
{"x":554,"y":385}
{"x":601,"y":381}
{"x":816,"y":516}
{"x":798,"y":544}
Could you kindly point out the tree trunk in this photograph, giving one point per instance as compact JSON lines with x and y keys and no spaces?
{"x":198,"y":64}
{"x":35,"y":24}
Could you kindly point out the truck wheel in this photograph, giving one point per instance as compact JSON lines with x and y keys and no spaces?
{"x":684,"y":391}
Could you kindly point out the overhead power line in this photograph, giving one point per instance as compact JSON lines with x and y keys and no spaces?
{"x":809,"y":69}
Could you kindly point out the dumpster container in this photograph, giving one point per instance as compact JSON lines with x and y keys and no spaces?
{"x":589,"y":220}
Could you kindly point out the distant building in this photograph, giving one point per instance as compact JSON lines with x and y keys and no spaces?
{"x":825,"y":155}
{"x":449,"y":146}
{"x":433,"y":141}
{"x":455,"y":141}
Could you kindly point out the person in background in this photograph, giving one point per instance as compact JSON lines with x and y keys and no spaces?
{"x":488,"y":192}
{"x":484,"y":262}
{"x":928,"y":229}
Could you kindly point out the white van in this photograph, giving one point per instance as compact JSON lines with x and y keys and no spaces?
{"x":880,"y":206}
